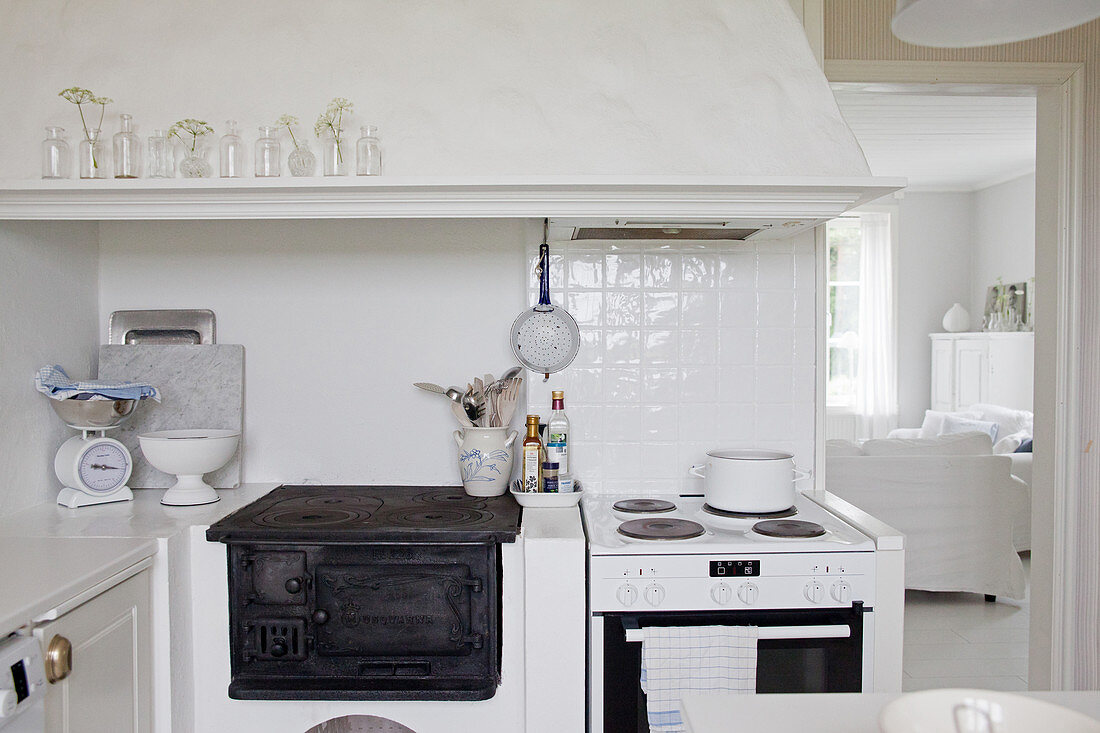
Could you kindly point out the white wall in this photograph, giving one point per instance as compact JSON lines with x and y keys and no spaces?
{"x":1004,"y":238}
{"x":48,"y":291}
{"x":338,"y":319}
{"x":489,"y":87}
{"x":934,"y":246}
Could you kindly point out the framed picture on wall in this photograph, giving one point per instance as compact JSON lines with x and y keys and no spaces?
{"x":1005,"y":307}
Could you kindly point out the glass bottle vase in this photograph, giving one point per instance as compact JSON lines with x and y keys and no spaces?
{"x":333,"y":156}
{"x":230,"y":153}
{"x":194,"y":163}
{"x":93,"y":156}
{"x":368,"y":155}
{"x":127,"y":149}
{"x":55,"y":154}
{"x":159,"y":163}
{"x":267,"y":153}
{"x":302,"y":161}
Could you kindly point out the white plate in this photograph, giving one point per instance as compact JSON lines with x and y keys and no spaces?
{"x":936,"y":711}
{"x":536,"y":500}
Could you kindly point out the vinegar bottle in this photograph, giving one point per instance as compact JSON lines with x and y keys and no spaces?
{"x":533,"y":456}
{"x":557,"y":433}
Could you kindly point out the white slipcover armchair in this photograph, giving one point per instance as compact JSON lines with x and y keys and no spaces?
{"x":956,"y":503}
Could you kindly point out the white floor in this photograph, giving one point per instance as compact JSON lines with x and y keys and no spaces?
{"x":959,"y":640}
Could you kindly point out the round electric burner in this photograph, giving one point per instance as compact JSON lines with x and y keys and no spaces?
{"x":310,"y":517}
{"x":661,"y":529}
{"x":791,"y":528}
{"x":433,"y":517}
{"x":643,"y":506}
{"x":788,"y":512}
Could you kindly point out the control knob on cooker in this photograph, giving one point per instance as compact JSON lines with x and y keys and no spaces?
{"x":294,"y":585}
{"x":278,"y":649}
{"x":722,"y":594}
{"x":8,"y":701}
{"x":748,"y":593}
{"x":841,"y":591}
{"x":654,"y":594}
{"x":814,"y":591}
{"x":320,"y":616}
{"x":627,"y":594}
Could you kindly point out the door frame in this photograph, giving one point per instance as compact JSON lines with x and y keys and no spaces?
{"x":1059,"y":90}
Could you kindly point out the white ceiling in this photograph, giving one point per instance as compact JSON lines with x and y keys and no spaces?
{"x":943,"y":143}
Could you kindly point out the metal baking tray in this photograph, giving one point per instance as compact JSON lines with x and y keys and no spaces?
{"x":181,"y":326}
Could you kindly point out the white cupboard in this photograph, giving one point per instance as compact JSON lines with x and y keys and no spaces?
{"x":99,"y":661}
{"x":991,"y":368}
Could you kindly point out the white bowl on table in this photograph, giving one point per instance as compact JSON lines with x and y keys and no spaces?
{"x":189,"y":454}
{"x":980,"y":711}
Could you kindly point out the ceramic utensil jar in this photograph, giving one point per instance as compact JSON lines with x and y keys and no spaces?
{"x":485,"y":459}
{"x":750,"y":481}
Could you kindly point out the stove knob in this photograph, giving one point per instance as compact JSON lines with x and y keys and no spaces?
{"x":814,"y":591}
{"x":320,"y":616}
{"x":722,"y":594}
{"x":841,"y":592}
{"x":627,"y":594}
{"x":8,"y":701}
{"x":278,"y":649}
{"x":654,"y":594}
{"x":748,"y":593}
{"x":294,"y":585}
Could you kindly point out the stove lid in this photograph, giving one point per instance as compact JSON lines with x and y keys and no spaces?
{"x":370,"y":514}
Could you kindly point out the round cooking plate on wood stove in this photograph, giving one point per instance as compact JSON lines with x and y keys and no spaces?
{"x":659,"y":528}
{"x":310,"y":517}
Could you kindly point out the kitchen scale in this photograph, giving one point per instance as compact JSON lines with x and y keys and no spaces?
{"x":92,"y":468}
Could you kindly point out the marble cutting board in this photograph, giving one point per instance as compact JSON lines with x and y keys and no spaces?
{"x":201,"y":386}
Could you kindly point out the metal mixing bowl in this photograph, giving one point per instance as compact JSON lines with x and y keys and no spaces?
{"x":97,"y":414}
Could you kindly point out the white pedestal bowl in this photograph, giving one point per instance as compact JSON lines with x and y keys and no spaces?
{"x":189,"y":454}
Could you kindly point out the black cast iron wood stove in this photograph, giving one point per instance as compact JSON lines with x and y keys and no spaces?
{"x":366,"y":593}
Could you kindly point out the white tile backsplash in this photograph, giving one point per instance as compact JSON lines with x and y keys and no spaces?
{"x":685,"y":347}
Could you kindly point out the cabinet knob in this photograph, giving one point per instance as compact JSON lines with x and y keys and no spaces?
{"x":293,"y":585}
{"x":59,"y":659}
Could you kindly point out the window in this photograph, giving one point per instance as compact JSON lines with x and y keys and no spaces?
{"x":843,"y":237}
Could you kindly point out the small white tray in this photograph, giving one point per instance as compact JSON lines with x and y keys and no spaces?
{"x":535,"y":500}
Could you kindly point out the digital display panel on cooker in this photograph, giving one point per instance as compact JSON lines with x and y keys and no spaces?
{"x":734,"y":568}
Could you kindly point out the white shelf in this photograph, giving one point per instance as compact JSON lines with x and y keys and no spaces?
{"x":392,"y":197}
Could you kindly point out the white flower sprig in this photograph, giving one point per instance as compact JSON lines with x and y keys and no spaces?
{"x":289,"y":122}
{"x":332,"y":119}
{"x":194,"y":128}
{"x":81,"y":96}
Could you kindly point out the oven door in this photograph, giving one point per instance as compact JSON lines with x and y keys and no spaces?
{"x":817,"y":650}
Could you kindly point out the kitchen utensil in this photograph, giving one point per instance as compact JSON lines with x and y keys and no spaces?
{"x":93,"y":414}
{"x":460,"y":415}
{"x":179,"y":326}
{"x":451,"y":393}
{"x":485,"y":458}
{"x":473,"y":404}
{"x":749,"y":480}
{"x":979,"y":711}
{"x":506,"y":401}
{"x":545,"y":338}
{"x":534,"y":499}
{"x":189,"y":454}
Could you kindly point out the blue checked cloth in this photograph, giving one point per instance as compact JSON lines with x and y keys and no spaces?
{"x":678,"y":660}
{"x":53,"y":382}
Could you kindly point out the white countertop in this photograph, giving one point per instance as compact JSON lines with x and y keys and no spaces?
{"x":830,"y":713}
{"x":43,"y":572}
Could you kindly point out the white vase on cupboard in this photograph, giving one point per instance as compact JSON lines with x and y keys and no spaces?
{"x":956,"y":319}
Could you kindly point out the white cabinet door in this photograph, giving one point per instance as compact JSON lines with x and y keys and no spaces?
{"x":943,"y":375}
{"x":1011,"y":371}
{"x":971,"y":372}
{"x":110,"y":685}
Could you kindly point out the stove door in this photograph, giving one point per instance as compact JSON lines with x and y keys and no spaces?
{"x":396,"y":610}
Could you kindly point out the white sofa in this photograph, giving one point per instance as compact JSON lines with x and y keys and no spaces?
{"x":960,"y":507}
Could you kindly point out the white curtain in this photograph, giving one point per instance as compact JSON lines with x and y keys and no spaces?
{"x":877,"y":392}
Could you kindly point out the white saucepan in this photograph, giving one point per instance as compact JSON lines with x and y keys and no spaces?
{"x":749,"y":480}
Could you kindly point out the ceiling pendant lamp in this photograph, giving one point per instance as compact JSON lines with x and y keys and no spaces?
{"x":964,"y":23}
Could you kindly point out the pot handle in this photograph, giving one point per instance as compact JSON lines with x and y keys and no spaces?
{"x":511,"y":438}
{"x":458,"y":437}
{"x":799,"y":474}
{"x":699,"y":471}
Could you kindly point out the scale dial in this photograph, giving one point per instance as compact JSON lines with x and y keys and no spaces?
{"x":94,"y":465}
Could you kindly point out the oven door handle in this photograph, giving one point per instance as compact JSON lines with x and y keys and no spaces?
{"x":835,"y":631}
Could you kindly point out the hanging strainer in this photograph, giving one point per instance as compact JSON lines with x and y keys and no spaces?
{"x":545,"y":338}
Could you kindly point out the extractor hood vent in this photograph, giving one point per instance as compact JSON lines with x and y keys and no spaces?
{"x":729,"y":230}
{"x":667,"y":232}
